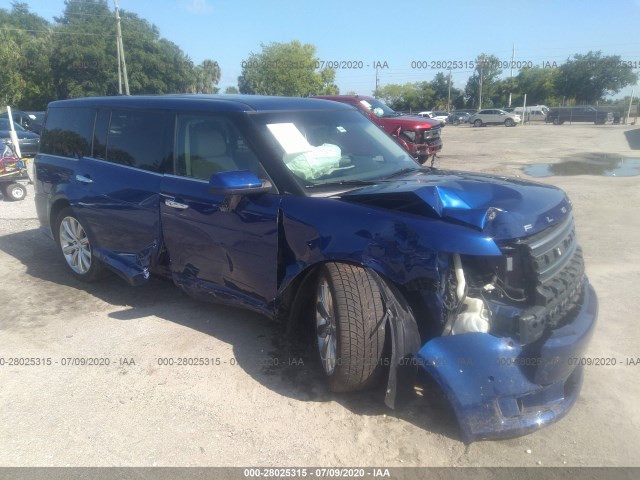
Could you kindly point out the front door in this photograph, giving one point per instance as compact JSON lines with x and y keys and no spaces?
{"x":228,"y":253}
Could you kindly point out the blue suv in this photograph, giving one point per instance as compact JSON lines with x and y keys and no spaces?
{"x":306,"y":211}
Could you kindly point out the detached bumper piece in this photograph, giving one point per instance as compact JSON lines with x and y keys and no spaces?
{"x":500,"y":389}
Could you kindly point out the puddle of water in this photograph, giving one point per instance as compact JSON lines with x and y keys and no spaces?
{"x":589,"y":164}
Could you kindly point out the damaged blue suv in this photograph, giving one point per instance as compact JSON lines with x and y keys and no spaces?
{"x":304,"y":210}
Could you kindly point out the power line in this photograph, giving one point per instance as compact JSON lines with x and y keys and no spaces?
{"x":53,"y":32}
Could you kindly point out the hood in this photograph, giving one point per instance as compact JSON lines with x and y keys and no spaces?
{"x":22,"y":134}
{"x":409,"y":122}
{"x":501,"y":207}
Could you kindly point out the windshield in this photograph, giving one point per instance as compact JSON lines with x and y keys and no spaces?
{"x":332,"y":147}
{"x":36,"y":116}
{"x":378,"y":108}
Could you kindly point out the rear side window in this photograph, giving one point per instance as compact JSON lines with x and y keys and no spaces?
{"x":140,"y":139}
{"x":68,"y":132}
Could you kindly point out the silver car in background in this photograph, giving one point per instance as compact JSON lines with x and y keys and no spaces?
{"x":495,"y":116}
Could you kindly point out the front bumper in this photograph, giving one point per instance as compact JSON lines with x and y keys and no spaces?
{"x":422,"y":149}
{"x":500,"y":389}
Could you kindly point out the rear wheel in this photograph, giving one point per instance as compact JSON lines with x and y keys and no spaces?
{"x":14,"y":192}
{"x":349,"y":333}
{"x":477,"y":123}
{"x":75,"y":247}
{"x":556,"y":121}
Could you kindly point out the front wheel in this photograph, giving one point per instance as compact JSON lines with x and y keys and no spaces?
{"x":509,"y":122}
{"x":556,"y":121}
{"x":75,"y":247}
{"x":348,"y":323}
{"x":477,"y":123}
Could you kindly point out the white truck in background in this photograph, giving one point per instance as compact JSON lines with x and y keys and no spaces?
{"x":532,"y":113}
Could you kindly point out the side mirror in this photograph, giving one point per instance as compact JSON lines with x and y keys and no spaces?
{"x":237,"y":182}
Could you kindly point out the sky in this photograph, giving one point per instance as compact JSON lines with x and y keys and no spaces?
{"x":398,"y":37}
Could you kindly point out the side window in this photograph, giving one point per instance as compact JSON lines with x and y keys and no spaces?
{"x":68,"y":132}
{"x":140,"y":139}
{"x":208,"y":144}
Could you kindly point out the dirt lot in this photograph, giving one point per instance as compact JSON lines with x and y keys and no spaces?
{"x":249,"y":411}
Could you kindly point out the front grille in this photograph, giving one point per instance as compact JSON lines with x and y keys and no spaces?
{"x":550,"y":253}
{"x":557,"y":270}
{"x":430,"y":135}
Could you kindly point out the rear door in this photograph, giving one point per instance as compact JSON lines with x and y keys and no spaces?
{"x":217,"y":249}
{"x":491,"y":116}
{"x":116,"y":189}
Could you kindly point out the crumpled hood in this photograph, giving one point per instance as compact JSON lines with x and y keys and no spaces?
{"x":498,"y":206}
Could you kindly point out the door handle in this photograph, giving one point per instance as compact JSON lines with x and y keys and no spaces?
{"x":83,"y":179}
{"x":173,"y":204}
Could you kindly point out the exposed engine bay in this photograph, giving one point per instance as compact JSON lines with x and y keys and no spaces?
{"x":530,"y":288}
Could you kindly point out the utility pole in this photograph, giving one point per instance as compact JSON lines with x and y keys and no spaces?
{"x":377,"y":80}
{"x":119,"y":66}
{"x":480,"y":100}
{"x":629,"y":110}
{"x":121,"y":55}
{"x":513,"y":55}
{"x":449,"y":95}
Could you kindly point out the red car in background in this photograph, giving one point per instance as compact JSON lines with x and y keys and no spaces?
{"x":418,"y":135}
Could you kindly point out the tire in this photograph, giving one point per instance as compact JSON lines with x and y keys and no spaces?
{"x":348,"y":332}
{"x":14,"y":192}
{"x":509,"y":122}
{"x":456,"y":122}
{"x":556,"y":121}
{"x":477,"y":123}
{"x":75,"y":248}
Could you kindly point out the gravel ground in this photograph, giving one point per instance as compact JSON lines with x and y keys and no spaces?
{"x":260,"y":405}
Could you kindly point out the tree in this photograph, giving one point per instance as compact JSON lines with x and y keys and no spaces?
{"x":11,"y":82}
{"x":486,"y":72}
{"x":25,"y":49}
{"x":588,"y":78}
{"x":408,"y":97}
{"x":207,"y":77}
{"x":156,"y":65}
{"x":84,"y":57}
{"x":539,"y":84}
{"x":231,"y":90}
{"x":440,"y":87}
{"x":288,"y":69}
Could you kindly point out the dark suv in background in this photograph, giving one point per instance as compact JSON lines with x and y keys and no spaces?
{"x":31,"y":121}
{"x":418,"y":135}
{"x":559,"y":115}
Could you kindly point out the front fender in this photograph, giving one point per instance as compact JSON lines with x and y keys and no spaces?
{"x":401,"y":247}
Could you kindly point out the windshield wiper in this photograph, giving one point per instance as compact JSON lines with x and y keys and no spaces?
{"x":402,"y":172}
{"x":344,"y":182}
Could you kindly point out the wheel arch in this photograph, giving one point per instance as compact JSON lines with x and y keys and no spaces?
{"x":294,"y":297}
{"x":401,"y":323}
{"x":56,"y":207}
